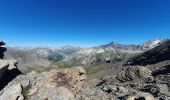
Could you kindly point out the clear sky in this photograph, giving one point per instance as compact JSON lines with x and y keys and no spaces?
{"x":83,"y":22}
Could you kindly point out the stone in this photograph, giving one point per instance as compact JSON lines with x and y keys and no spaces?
{"x":8,"y":72}
{"x":141,"y":96}
{"x":12,"y":93}
{"x":49,"y":93}
{"x":135,"y":73}
{"x":62,"y":84}
{"x":164,"y":89}
{"x":153,"y":89}
{"x":10,"y":63}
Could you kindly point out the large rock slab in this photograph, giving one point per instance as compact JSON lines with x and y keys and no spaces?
{"x":12,"y":93}
{"x":61,"y":84}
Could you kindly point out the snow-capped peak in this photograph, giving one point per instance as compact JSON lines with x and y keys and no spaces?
{"x":153,"y":43}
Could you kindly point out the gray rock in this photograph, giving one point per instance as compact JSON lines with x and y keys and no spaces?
{"x":141,"y":96}
{"x":12,"y":93}
{"x":62,"y":84}
{"x":135,"y":73}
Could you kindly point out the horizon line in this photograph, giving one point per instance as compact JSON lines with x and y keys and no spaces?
{"x":8,"y":44}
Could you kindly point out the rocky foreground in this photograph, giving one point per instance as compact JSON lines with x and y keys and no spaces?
{"x":62,"y":84}
{"x":133,"y":81}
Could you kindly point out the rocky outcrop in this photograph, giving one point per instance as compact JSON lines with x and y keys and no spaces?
{"x":134,"y":73}
{"x":105,"y":91}
{"x":60,"y":85}
{"x":8,"y":71}
{"x":2,"y":49}
{"x":12,"y":93}
{"x":5,"y":67}
{"x":8,"y":64}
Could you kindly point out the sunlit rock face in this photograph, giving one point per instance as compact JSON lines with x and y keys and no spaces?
{"x":62,"y":84}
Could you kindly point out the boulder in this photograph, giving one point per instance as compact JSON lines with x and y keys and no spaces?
{"x":61,"y":84}
{"x":6,"y":65}
{"x":8,"y":72}
{"x":10,"y":63}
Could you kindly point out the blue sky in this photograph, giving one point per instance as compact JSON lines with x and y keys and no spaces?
{"x":83,"y":22}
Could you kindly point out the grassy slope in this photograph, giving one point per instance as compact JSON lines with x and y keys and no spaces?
{"x":101,"y":70}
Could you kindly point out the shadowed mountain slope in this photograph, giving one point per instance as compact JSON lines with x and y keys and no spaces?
{"x":157,"y":54}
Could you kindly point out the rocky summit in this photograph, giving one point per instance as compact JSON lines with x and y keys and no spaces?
{"x":144,"y":76}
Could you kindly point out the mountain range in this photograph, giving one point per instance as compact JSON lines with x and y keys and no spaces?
{"x":108,"y":72}
{"x":71,"y":55}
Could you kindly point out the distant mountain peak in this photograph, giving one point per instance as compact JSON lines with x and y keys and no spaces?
{"x":153,"y":43}
{"x":158,"y":40}
{"x":132,"y":47}
{"x":70,"y":46}
{"x":113,"y":42}
{"x":152,"y":56}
